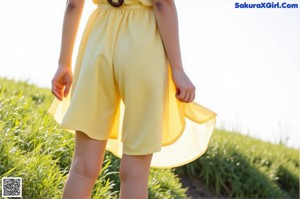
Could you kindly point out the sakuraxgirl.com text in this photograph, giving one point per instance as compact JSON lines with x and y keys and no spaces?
{"x":266,"y":5}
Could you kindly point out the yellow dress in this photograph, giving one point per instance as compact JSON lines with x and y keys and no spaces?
{"x":122,"y":90}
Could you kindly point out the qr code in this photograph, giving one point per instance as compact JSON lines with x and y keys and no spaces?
{"x":11,"y":187}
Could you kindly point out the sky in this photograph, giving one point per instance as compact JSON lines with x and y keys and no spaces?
{"x":245,"y":63}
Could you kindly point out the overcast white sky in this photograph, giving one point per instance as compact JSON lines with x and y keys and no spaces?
{"x":245,"y":63}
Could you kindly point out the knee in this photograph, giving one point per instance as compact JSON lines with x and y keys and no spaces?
{"x":86,"y":169}
{"x":135,"y":169}
{"x":131,"y":174}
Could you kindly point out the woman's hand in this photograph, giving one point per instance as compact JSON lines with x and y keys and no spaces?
{"x":167,"y":21}
{"x":185,"y":89}
{"x":62,"y":82}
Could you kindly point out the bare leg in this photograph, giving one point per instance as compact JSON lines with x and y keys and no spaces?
{"x":134,"y":172}
{"x":85,"y":168}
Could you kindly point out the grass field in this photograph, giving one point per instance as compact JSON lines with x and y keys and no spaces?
{"x":34,"y":147}
{"x":237,"y":166}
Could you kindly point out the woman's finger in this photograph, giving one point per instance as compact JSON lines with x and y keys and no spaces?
{"x":192,"y":97}
{"x":187,"y":96}
{"x":57,"y":89}
{"x":67,"y":88}
{"x":56,"y":94}
{"x":181,"y":95}
{"x":58,"y":85}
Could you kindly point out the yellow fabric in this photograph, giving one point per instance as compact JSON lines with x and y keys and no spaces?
{"x":122,"y":91}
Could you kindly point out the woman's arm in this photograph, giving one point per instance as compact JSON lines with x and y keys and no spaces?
{"x":62,"y":79}
{"x":70,"y":27}
{"x":167,"y":21}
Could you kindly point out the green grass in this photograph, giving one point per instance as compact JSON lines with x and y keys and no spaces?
{"x":34,"y":147}
{"x":237,"y":166}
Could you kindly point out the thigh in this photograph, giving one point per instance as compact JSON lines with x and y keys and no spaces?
{"x":88,"y":155}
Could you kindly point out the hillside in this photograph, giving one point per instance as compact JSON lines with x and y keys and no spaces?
{"x":237,"y":166}
{"x":35,"y":148}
